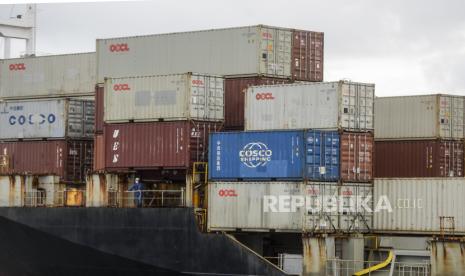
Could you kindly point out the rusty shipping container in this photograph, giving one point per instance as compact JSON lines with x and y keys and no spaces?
{"x":99,"y":152}
{"x":68,"y":159}
{"x":234,"y":96}
{"x":157,"y":145}
{"x":99,"y":108}
{"x":307,"y":55}
{"x":425,"y":158}
{"x":357,"y":151}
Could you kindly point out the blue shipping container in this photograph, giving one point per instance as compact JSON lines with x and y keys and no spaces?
{"x":256,"y":155}
{"x":322,"y":158}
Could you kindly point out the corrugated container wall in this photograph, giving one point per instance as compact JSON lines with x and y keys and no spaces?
{"x":166,"y":97}
{"x":357,"y":152}
{"x":420,"y":117}
{"x":426,"y":158}
{"x":99,"y":106}
{"x":157,"y":145}
{"x":328,"y":105}
{"x":254,"y":206}
{"x":48,"y":76}
{"x":234,"y":95}
{"x":252,"y":50}
{"x":256,"y":155}
{"x":68,"y":159}
{"x":239,"y":205}
{"x":99,"y":152}
{"x":47,"y":118}
{"x":418,"y":203}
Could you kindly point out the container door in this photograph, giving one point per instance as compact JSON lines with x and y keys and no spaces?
{"x":451,"y":117}
{"x":75,"y":118}
{"x":215,"y":99}
{"x":318,"y":217}
{"x":366,"y":95}
{"x":322,"y":158}
{"x":349,"y":104}
{"x":364,"y":161}
{"x":275,"y":52}
{"x":450,"y":163}
{"x":348,"y":157}
{"x":355,"y":217}
{"x":198,"y":96}
{"x":89,"y":118}
{"x":307,"y":56}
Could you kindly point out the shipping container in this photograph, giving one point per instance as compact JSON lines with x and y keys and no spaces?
{"x":68,"y":159}
{"x":99,"y":152}
{"x":418,"y":204}
{"x":234,"y":98}
{"x":48,"y":76}
{"x":165,"y":97}
{"x":327,"y":105}
{"x":357,"y":151}
{"x":157,"y":145}
{"x":419,"y":117}
{"x":46,"y":118}
{"x":322,"y":155}
{"x":240,"y":205}
{"x":307,"y":55}
{"x":420,"y":158}
{"x":256,"y":155}
{"x":348,"y":217}
{"x":99,"y":106}
{"x":252,"y":50}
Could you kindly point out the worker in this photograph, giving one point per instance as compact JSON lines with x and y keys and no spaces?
{"x":138,"y":187}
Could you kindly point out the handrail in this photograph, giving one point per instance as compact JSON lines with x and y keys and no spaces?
{"x":376,"y":267}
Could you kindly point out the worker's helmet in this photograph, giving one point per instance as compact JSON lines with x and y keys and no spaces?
{"x":137,"y":178}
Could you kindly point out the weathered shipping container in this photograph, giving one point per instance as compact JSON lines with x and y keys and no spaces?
{"x":425,"y":158}
{"x":328,"y":105}
{"x":99,"y":108}
{"x":46,"y":118}
{"x":48,"y":76}
{"x":234,"y":98}
{"x":357,"y":151}
{"x":252,"y":50}
{"x":256,"y":155}
{"x":68,"y":159}
{"x":266,"y":206}
{"x":99,"y":152}
{"x":240,"y":205}
{"x":322,"y":155}
{"x":331,"y":208}
{"x":420,"y":117}
{"x":157,"y":145}
{"x":419,"y":203}
{"x":166,"y":97}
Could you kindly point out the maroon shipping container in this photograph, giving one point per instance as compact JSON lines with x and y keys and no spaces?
{"x":99,"y":152}
{"x":99,"y":101}
{"x":234,"y":98}
{"x":357,"y":151}
{"x":68,"y":159}
{"x":157,"y":145}
{"x":419,"y":158}
{"x":307,"y":55}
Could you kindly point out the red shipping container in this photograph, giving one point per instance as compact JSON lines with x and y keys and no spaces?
{"x":68,"y":159}
{"x":357,"y":151}
{"x":419,"y":158}
{"x":234,"y":98}
{"x":157,"y":145}
{"x":99,"y":106}
{"x":307,"y":55}
{"x":99,"y":152}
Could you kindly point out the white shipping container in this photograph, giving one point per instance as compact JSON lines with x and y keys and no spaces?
{"x":324,"y":105}
{"x":418,"y":204}
{"x":168,"y":97}
{"x":239,"y":205}
{"x":46,"y":118}
{"x":48,"y":76}
{"x":253,"y":50}
{"x":420,"y":117}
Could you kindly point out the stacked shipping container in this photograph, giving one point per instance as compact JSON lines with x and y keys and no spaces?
{"x":420,"y":154}
{"x":46,"y":125}
{"x":318,"y":135}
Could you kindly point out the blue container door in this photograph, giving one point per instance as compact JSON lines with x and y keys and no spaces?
{"x":322,"y":155}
